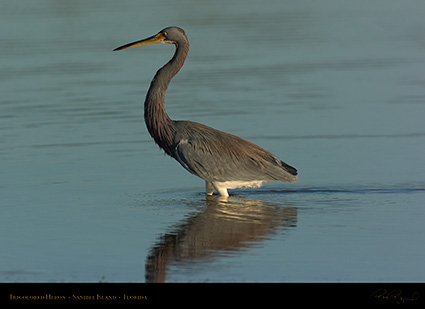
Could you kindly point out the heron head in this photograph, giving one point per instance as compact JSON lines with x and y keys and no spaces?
{"x":171,"y":35}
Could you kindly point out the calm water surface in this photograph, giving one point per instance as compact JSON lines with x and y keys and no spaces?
{"x":337,"y":90}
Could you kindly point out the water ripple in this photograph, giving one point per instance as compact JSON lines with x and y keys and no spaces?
{"x":404,"y":188}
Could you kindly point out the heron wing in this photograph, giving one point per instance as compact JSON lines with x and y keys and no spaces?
{"x":218,"y":156}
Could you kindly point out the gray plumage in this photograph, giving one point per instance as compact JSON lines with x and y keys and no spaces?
{"x":223,"y":160}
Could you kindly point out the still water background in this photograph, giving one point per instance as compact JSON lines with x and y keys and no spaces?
{"x":335,"y":89}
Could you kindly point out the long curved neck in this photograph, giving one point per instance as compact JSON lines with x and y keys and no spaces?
{"x":159,"y":125}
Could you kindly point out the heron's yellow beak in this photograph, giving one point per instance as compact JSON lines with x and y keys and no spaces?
{"x":158,"y":38}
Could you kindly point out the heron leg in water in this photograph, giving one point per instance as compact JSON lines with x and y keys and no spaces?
{"x":209,"y":188}
{"x":220,"y":189}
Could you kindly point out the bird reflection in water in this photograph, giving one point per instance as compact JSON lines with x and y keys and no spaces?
{"x":224,"y":226}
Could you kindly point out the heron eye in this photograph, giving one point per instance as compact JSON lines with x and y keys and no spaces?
{"x":165,"y":33}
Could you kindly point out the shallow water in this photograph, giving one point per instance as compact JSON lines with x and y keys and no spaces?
{"x":335,"y":90}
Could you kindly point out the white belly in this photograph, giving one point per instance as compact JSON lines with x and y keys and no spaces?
{"x":239,"y":184}
{"x":222,"y":187}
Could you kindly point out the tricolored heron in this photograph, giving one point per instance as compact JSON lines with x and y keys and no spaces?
{"x":223,"y":160}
